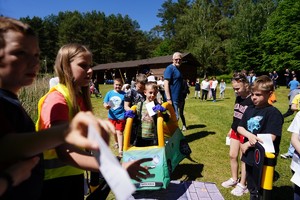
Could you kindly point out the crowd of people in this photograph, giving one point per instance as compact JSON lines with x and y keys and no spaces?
{"x":47,"y":159}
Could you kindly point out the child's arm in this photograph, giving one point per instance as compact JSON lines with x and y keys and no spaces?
{"x":295,"y":141}
{"x":251,"y":137}
{"x":106,"y":106}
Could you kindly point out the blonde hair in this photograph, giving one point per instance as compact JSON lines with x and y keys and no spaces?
{"x":263,"y":83}
{"x":62,"y":67}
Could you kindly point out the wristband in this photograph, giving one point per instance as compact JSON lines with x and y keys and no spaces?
{"x":9,"y":180}
{"x":168,"y":99}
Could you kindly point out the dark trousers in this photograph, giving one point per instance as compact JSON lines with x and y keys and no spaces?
{"x":204,"y":94}
{"x":251,"y":184}
{"x":181,"y":112}
{"x":213,"y":94}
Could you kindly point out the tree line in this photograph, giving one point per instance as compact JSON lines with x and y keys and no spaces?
{"x":224,"y":35}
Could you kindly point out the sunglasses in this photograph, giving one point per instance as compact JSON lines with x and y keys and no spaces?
{"x":178,"y":59}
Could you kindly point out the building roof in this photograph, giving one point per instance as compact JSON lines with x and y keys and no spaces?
{"x":150,"y":61}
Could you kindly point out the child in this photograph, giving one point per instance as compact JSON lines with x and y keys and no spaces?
{"x":262,"y":118}
{"x":222,"y":89}
{"x":197,"y":89}
{"x":243,"y":100}
{"x":147,"y":127}
{"x":19,"y":63}
{"x":294,"y":128}
{"x":114,"y":103}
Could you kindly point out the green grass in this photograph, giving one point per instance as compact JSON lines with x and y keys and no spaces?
{"x":208,"y":123}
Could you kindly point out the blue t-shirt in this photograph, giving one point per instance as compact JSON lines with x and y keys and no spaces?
{"x":293,"y":85}
{"x":116,"y":102}
{"x":173,"y":75}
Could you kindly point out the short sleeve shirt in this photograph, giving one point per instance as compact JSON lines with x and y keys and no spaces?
{"x":173,"y":75}
{"x":134,"y":97}
{"x":14,"y":119}
{"x":116,"y":102}
{"x":295,"y":128}
{"x":55,"y":108}
{"x":240,"y":107}
{"x":262,"y":120}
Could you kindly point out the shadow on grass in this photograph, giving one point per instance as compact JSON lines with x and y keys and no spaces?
{"x":190,"y":171}
{"x":283,"y":193}
{"x":198,"y":135}
{"x":196,"y":126}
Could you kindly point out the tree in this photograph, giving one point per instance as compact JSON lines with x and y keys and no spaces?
{"x":281,"y":39}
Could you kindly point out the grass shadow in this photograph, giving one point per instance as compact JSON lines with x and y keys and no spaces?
{"x":190,"y":171}
{"x":282,"y":193}
{"x":198,"y":135}
{"x":196,"y":126}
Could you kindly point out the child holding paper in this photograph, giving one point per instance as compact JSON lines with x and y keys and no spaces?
{"x":146,"y":112}
{"x":114,"y":103}
{"x":262,"y":118}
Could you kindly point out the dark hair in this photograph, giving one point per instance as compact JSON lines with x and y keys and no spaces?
{"x":239,"y":77}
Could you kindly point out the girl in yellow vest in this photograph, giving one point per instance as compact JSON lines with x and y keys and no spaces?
{"x":64,"y":165}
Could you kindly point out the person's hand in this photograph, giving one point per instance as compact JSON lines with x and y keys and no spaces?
{"x":22,"y":170}
{"x":253,"y":139}
{"x":159,"y":108}
{"x":135,"y":170}
{"x":78,"y":129}
{"x":129,"y":114}
{"x":245,"y":147}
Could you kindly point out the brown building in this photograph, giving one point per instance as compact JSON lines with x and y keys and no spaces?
{"x":156,"y":65}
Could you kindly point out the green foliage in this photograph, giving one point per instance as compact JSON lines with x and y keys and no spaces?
{"x":281,"y":39}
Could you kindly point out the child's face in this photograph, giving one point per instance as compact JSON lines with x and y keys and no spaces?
{"x":260,"y":98}
{"x":240,"y":88}
{"x":81,"y":69}
{"x":19,"y":64}
{"x":118,"y":86}
{"x":150,"y":93}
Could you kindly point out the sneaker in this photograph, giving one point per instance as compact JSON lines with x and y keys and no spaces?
{"x":229,"y":183}
{"x":183,"y":128}
{"x":285,"y":156}
{"x":239,"y":190}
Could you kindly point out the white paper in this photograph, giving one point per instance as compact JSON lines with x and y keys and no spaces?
{"x":296,"y":178}
{"x":111,"y":103}
{"x":227,"y":140}
{"x":149,"y":107}
{"x":116,"y":177}
{"x":268,"y":143}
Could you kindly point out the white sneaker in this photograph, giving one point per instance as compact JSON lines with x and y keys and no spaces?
{"x":239,"y":190}
{"x":183,"y":128}
{"x":229,"y":183}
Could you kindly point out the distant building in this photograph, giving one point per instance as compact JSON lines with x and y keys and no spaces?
{"x":156,"y":65}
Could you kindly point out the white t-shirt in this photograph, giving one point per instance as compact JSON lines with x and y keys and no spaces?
{"x":295,"y":128}
{"x":53,"y":82}
{"x":205,"y":85}
{"x":214,"y":84}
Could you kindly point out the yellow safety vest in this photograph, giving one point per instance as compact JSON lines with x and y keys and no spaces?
{"x":54,"y":168}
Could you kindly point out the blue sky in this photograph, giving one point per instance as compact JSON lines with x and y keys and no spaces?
{"x":143,"y":11}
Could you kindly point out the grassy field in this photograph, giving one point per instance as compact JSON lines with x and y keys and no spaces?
{"x":208,"y":123}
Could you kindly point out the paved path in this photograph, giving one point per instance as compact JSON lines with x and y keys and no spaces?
{"x":187,"y":190}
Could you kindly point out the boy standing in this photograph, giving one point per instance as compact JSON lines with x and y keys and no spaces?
{"x":147,"y":130}
{"x":114,"y":103}
{"x":262,"y":118}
